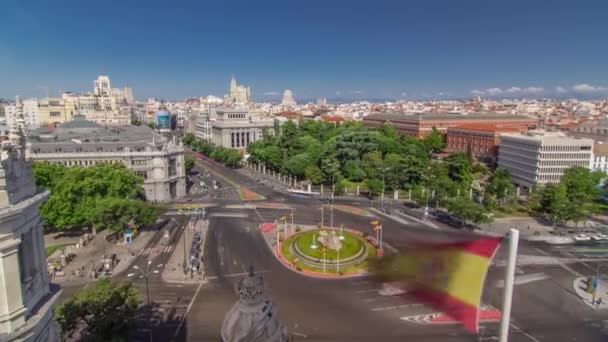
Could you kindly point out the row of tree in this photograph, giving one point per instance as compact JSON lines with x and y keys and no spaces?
{"x":102,"y":196}
{"x":229,"y":156}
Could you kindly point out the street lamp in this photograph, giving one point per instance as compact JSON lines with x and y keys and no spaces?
{"x":144,"y":275}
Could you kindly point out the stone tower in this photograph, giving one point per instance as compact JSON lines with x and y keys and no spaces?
{"x":253,"y":318}
{"x":26,"y":297}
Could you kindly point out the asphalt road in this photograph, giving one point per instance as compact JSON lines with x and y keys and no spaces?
{"x":545,"y":309}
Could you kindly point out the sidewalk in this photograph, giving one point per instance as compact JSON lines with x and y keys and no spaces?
{"x":173,"y":272}
{"x":90,"y":257}
{"x":580,"y":286}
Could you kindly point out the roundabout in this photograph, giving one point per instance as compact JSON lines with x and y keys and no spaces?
{"x":330,"y":252}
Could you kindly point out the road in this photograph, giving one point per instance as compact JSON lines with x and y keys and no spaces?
{"x":544,"y":308}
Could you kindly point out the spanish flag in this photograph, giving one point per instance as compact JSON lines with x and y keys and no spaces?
{"x":449,"y":276}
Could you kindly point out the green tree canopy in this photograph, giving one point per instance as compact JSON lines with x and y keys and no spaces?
{"x":189,"y":163}
{"x":105,"y":310}
{"x":500,"y":185}
{"x":434,"y":142}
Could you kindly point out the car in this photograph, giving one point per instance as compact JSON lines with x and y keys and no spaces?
{"x":582,"y":238}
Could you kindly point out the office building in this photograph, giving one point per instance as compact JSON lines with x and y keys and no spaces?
{"x":80,"y":142}
{"x":540,"y":157}
{"x":27,"y":299}
{"x":420,"y":125}
{"x":236,"y":128}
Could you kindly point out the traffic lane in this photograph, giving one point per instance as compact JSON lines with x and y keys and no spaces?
{"x":320,"y":309}
{"x":547,"y":309}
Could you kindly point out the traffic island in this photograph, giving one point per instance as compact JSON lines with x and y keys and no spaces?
{"x":327,"y":253}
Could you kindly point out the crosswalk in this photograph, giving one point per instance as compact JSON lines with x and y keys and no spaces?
{"x":156,"y":250}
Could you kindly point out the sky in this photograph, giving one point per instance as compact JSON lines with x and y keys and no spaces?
{"x":375,"y":49}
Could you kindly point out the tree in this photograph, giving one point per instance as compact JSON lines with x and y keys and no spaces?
{"x":375,"y":186}
{"x":500,"y":185}
{"x":314,"y":174}
{"x":188,"y":139}
{"x":582,"y":184}
{"x":289,"y":132}
{"x":468,"y":211}
{"x":297,"y":164}
{"x":434,"y":142}
{"x":232,"y":157}
{"x":78,"y":193}
{"x":151,"y":125}
{"x":460,"y":169}
{"x":331,"y":168}
{"x":554,"y":203}
{"x":115,"y":213}
{"x":353,"y":171}
{"x":105,"y":311}
{"x":273,"y":157}
{"x":189,"y":163}
{"x":371,"y":162}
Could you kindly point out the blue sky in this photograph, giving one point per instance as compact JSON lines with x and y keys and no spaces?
{"x":332,"y":48}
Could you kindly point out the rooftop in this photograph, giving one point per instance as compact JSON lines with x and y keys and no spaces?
{"x":487,"y":127}
{"x":444,"y":116}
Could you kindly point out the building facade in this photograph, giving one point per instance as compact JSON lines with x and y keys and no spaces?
{"x":26,"y":297}
{"x":235,"y":128}
{"x":56,"y":110}
{"x":149,"y":155}
{"x":482,"y":139}
{"x":420,"y":125}
{"x":288,"y":99}
{"x":539,"y":157}
{"x":600,"y":157}
{"x":30,"y":113}
{"x":239,"y":93}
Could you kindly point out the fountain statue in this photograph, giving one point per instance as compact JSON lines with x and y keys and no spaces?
{"x":330,"y":240}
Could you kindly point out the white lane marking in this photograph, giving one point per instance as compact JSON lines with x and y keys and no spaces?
{"x":562,"y":265}
{"x":525,"y":333}
{"x":524,"y":279}
{"x":236,"y":274}
{"x":181,"y":322}
{"x":299,"y":335}
{"x":258,"y":213}
{"x":394,"y":307}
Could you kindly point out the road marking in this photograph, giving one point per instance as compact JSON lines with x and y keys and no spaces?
{"x":236,"y":274}
{"x":562,"y":265}
{"x":239,"y":215}
{"x":397,"y":307}
{"x":181,"y":322}
{"x":300,"y":335}
{"x":260,"y":216}
{"x":524,"y":279}
{"x":525,"y":333}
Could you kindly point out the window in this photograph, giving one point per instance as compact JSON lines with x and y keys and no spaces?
{"x":142,"y":174}
{"x":54,"y":113}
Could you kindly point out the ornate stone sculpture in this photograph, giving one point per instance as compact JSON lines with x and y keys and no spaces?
{"x":253,"y":318}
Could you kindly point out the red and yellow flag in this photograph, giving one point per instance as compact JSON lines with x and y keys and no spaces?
{"x":450,"y":276}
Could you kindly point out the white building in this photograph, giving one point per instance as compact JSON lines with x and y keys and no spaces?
{"x":80,"y":142}
{"x":540,"y":157}
{"x":30,"y":113}
{"x":26,"y":297}
{"x":101,"y":86}
{"x":239,"y":94}
{"x":600,"y":157}
{"x":288,"y":99}
{"x":235,"y":128}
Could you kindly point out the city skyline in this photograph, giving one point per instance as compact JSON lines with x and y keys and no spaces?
{"x":385,"y":51}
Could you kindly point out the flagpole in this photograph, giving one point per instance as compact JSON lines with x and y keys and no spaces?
{"x":507,"y":296}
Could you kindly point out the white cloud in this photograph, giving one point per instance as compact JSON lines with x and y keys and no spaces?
{"x":338,"y":93}
{"x":533,"y":90}
{"x":358,"y":92}
{"x":477,"y":92}
{"x":494,"y":91}
{"x":560,"y":89}
{"x":271,"y":93}
{"x":513,"y":90}
{"x":404,"y":94}
{"x":587,"y":88}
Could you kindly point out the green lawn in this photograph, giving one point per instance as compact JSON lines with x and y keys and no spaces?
{"x":350,"y":246}
{"x":511,"y":210}
{"x":370,"y":249}
{"x":52,"y":248}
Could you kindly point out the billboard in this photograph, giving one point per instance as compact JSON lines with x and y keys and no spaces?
{"x":162,"y":121}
